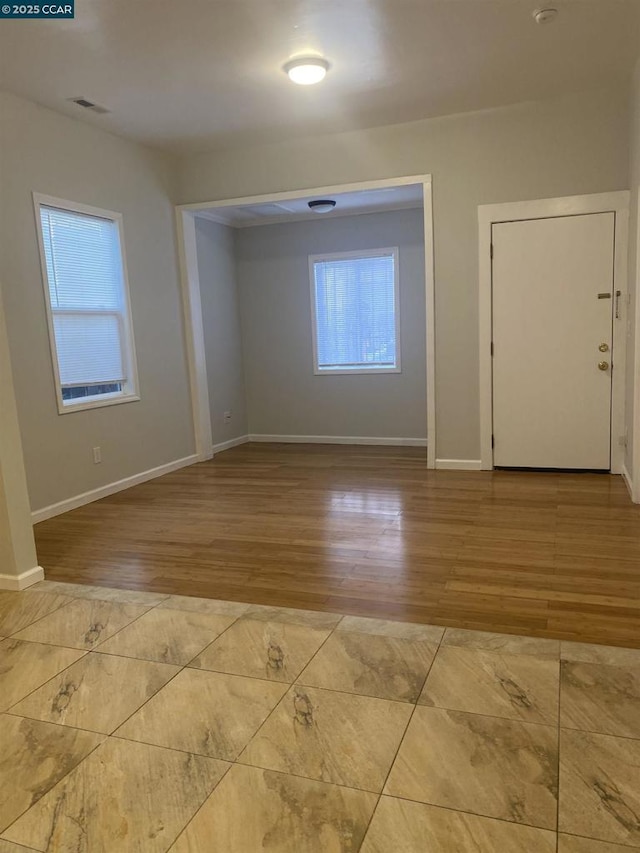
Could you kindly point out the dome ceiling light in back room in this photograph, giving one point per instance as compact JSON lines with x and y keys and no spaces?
{"x":322,"y":205}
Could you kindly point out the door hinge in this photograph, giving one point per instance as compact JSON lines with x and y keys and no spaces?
{"x":491,"y":251}
{"x":492,"y":348}
{"x":493,"y":441}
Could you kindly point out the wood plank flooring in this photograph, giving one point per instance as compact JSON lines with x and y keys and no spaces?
{"x":370,"y":531}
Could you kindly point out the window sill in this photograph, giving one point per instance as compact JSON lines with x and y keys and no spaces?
{"x":96,"y":403}
{"x":356,"y":371}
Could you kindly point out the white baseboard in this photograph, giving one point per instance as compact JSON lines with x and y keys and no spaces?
{"x":120,"y":485}
{"x":22,"y":581}
{"x":110,"y":489}
{"x":628,"y":481}
{"x":339,"y":439}
{"x":459,"y":464}
{"x":232,"y":442}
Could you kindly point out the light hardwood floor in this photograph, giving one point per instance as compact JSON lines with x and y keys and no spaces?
{"x":368,"y":530}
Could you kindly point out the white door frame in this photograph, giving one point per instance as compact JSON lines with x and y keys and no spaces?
{"x":190,"y":287}
{"x":488,"y":215}
{"x":633,"y":477}
{"x":194,"y":332}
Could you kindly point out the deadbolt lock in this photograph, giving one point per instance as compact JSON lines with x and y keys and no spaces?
{"x":603,"y":365}
{"x":604,"y":347}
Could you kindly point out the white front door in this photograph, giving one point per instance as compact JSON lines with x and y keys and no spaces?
{"x":553,"y":305}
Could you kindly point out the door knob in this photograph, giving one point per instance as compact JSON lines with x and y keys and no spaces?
{"x":603,"y":347}
{"x":603,"y":365}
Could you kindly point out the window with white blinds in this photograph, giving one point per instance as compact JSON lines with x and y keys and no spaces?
{"x":355,"y":305}
{"x":88,"y":304}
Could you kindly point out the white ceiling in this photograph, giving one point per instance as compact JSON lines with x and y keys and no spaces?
{"x":295,"y":209}
{"x":196,"y":74}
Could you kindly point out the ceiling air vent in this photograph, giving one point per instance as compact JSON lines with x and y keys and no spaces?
{"x":88,"y":105}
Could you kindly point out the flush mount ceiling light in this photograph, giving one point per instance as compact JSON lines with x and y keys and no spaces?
{"x":545,"y":16}
{"x":307,"y":71}
{"x":322,"y":205}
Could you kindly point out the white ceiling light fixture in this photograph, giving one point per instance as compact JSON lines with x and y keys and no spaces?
{"x":322,"y":205}
{"x":307,"y":70}
{"x":545,"y":16}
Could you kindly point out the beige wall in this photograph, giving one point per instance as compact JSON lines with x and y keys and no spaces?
{"x":52,"y":154}
{"x":283,"y":394}
{"x":632,"y":371}
{"x":221,"y":322}
{"x":17,"y":548}
{"x":571,"y":145}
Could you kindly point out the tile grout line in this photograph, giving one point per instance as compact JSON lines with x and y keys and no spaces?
{"x":186,"y":666}
{"x":599,"y":734}
{"x":85,"y":652}
{"x":475,"y":814}
{"x":370,"y":821}
{"x":297,"y":680}
{"x":600,"y":841}
{"x":44,"y":683}
{"x":84,"y":656}
{"x":307,"y":778}
{"x":280,"y":773}
{"x":404,"y":734}
{"x":116,"y":736}
{"x":200,"y":807}
{"x":279,"y":702}
{"x":111,"y":636}
{"x":106,"y":734}
{"x":62,"y":779}
{"x":245,"y":617}
{"x":40,"y":618}
{"x":149,"y":698}
{"x":407,"y":799}
{"x":489,"y":716}
{"x":108,"y":737}
{"x":153,"y":660}
{"x":51,"y":723}
{"x":99,"y":600}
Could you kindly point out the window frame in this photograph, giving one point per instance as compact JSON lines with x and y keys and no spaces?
{"x":391,"y":251}
{"x":130,"y":392}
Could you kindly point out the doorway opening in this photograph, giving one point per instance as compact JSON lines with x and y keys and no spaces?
{"x":273,"y":289}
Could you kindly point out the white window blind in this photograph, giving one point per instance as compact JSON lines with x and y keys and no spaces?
{"x":355,"y":312}
{"x":88,"y":305}
{"x":89,"y":348}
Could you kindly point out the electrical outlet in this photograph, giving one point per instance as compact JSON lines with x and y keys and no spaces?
{"x":227,"y":417}
{"x":97,"y":456}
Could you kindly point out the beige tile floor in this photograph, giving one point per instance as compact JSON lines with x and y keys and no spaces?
{"x":141,"y":722}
